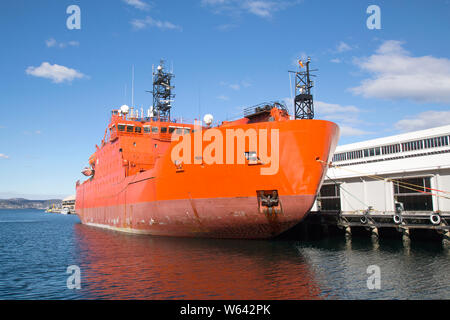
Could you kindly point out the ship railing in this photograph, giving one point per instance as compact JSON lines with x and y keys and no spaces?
{"x":263,"y":107}
{"x":179,"y":120}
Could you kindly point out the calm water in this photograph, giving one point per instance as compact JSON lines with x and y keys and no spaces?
{"x":36,"y":248}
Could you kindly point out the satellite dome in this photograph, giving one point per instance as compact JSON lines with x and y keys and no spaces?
{"x":124,"y":109}
{"x":208,"y":119}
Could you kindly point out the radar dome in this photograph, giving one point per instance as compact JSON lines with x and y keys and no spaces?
{"x":124,"y":109}
{"x":208,"y":119}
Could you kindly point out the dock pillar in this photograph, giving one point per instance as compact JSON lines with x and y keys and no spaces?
{"x":374,"y":232}
{"x":405,"y":234}
{"x":446,"y":238}
{"x":348,"y":231}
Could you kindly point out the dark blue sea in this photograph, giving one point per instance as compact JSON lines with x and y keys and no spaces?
{"x":36,"y":249}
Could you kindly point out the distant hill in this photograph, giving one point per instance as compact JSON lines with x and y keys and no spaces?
{"x":20,"y":203}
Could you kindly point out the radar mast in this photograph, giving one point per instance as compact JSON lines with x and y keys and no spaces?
{"x":162,"y":92}
{"x":303,"y":101}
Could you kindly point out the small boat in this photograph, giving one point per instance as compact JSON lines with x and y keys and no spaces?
{"x":53,"y":209}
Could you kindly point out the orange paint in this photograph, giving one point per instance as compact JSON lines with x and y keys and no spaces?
{"x":138,"y":187}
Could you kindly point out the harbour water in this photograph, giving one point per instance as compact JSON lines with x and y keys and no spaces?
{"x":36,"y":249}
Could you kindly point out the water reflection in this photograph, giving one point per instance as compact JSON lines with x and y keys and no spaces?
{"x":121,"y":266}
{"x":413,"y":270}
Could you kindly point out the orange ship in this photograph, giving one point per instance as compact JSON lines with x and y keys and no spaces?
{"x":250,"y":178}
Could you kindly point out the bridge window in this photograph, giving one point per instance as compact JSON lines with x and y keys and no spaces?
{"x":155,"y":129}
{"x":186,"y":130}
{"x":163,"y":129}
{"x":179,"y":131}
{"x":129,"y":128}
{"x":121,"y":127}
{"x":138,"y":129}
{"x":147,"y":129}
{"x":171,"y":129}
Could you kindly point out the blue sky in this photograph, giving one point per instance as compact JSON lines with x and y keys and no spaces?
{"x":58,"y":85}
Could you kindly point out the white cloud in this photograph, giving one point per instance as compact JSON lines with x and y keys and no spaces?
{"x":331,"y":108}
{"x":73,"y":43}
{"x":3,"y":156}
{"x":32,"y":132}
{"x":398,"y":75}
{"x":245,"y":84}
{"x":342,"y":47}
{"x":214,"y":2}
{"x":52,"y":43}
{"x":54,"y":72}
{"x":260,"y":8}
{"x":336,"y":60}
{"x":347,"y":131}
{"x":138,"y":4}
{"x":346,"y":116}
{"x":424,"y":120}
{"x":150,"y":22}
{"x":336,"y":112}
{"x":223,"y":98}
{"x":236,"y":86}
{"x":226,"y":27}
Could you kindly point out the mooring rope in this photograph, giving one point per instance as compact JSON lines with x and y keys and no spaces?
{"x":401,"y":183}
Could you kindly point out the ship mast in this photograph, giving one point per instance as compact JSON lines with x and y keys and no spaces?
{"x":303,"y":101}
{"x":162,"y":92}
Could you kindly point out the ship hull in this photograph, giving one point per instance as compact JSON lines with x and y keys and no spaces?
{"x":237,"y":217}
{"x":218,"y":200}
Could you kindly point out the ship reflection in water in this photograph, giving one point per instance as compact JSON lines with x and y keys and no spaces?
{"x":123,"y":266}
{"x":36,"y":248}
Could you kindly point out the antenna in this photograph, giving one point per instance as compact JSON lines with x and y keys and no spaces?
{"x":132,"y":86}
{"x":199,"y":102}
{"x":303,"y":101}
{"x":290,"y":86}
{"x":125,"y":91}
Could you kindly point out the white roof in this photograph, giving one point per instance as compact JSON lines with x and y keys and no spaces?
{"x":415,"y":135}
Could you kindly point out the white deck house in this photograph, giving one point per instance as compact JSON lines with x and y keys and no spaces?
{"x":407,"y":168}
{"x":69,"y":203}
